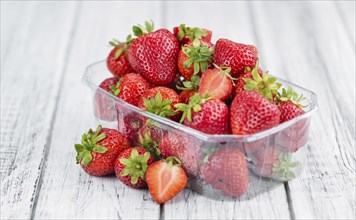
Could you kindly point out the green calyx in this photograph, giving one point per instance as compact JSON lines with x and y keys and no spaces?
{"x":282,"y":170}
{"x":290,"y":95}
{"x":199,"y":55}
{"x":194,"y":106}
{"x":225,"y":71}
{"x":149,"y":144}
{"x":173,"y":161}
{"x":265,"y":85}
{"x":114,"y":89}
{"x":192,"y":33}
{"x":190,"y":85}
{"x":89,"y":145}
{"x":139,"y":29}
{"x":159,"y":106}
{"x":135,"y":166}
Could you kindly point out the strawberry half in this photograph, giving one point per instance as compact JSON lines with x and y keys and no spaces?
{"x":154,"y":55}
{"x":165,"y":179}
{"x":131,"y":166}
{"x":117,"y":61}
{"x":235,"y":55}
{"x":217,"y":82}
{"x":195,"y":58}
{"x":187,"y":34}
{"x":99,"y":149}
{"x":226,"y":169}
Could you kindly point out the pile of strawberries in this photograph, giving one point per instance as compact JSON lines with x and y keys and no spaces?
{"x":215,"y":89}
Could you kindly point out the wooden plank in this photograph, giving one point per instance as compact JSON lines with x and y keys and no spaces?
{"x":347,"y":13}
{"x":230,"y":20}
{"x":31,"y":74}
{"x":306,"y":44}
{"x":67,"y":192}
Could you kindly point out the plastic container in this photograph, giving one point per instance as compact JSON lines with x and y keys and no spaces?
{"x":216,"y":170}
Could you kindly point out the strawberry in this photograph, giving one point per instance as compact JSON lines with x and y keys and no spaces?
{"x":189,"y":89}
{"x":176,"y":143}
{"x":131,"y":166}
{"x":295,"y":136}
{"x":117,"y":61}
{"x":160,"y":101}
{"x":226,"y":170}
{"x":240,"y":82}
{"x":251,"y":112}
{"x":98,"y":150}
{"x":272,"y":163}
{"x":217,"y":82}
{"x":165,"y":179}
{"x":185,"y":95}
{"x":206,"y":115}
{"x":186,"y":34}
{"x":195,"y":58}
{"x":104,"y":106}
{"x":235,"y":55}
{"x":176,"y":82}
{"x":154,"y":55}
{"x":129,"y":124}
{"x":130,"y":88}
{"x":149,"y":137}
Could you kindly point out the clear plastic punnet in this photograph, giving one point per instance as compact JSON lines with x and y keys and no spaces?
{"x":218,"y":166}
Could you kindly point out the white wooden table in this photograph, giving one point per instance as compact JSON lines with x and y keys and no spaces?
{"x":45,"y":47}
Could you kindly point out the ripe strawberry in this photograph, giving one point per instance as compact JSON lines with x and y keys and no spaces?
{"x":149,"y":137}
{"x":130,"y":88}
{"x":160,"y":101}
{"x":185,"y":95}
{"x":186,"y":34}
{"x":235,"y":55}
{"x":296,"y":135}
{"x":271,"y":163}
{"x":195,"y":58}
{"x":131,"y":166}
{"x":165,"y":179}
{"x":217,"y":82}
{"x":176,"y":143}
{"x":189,"y":89}
{"x":226,"y":170}
{"x":205,"y":115}
{"x":154,"y":55}
{"x":104,"y":106}
{"x":251,"y":112}
{"x":98,"y":150}
{"x":176,"y":82}
{"x":117,"y":61}
{"x":240,"y":82}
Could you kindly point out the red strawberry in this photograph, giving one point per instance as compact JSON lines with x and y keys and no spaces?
{"x":176,"y":82}
{"x":187,"y":34}
{"x":98,"y":150}
{"x":251,"y":112}
{"x":296,"y":135}
{"x":226,"y":170}
{"x":185,"y":95}
{"x":154,"y":55}
{"x":240,"y":82}
{"x":104,"y":106}
{"x":195,"y":58}
{"x":149,"y":137}
{"x":235,"y":55}
{"x":208,"y":116}
{"x":165,"y":179}
{"x":178,"y":144}
{"x":130,"y":88}
{"x":131,"y":166}
{"x":271,"y":163}
{"x":117,"y":61}
{"x":129,"y":124}
{"x":217,"y":82}
{"x":160,"y":101}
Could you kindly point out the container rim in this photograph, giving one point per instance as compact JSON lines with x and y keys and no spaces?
{"x":313,"y":108}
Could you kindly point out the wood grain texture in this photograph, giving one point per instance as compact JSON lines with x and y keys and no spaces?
{"x":31,"y":73}
{"x":67,"y":191}
{"x":236,"y":26}
{"x":305,"y":47}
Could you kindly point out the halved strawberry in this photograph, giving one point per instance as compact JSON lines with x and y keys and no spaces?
{"x":217,"y":82}
{"x":165,"y":179}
